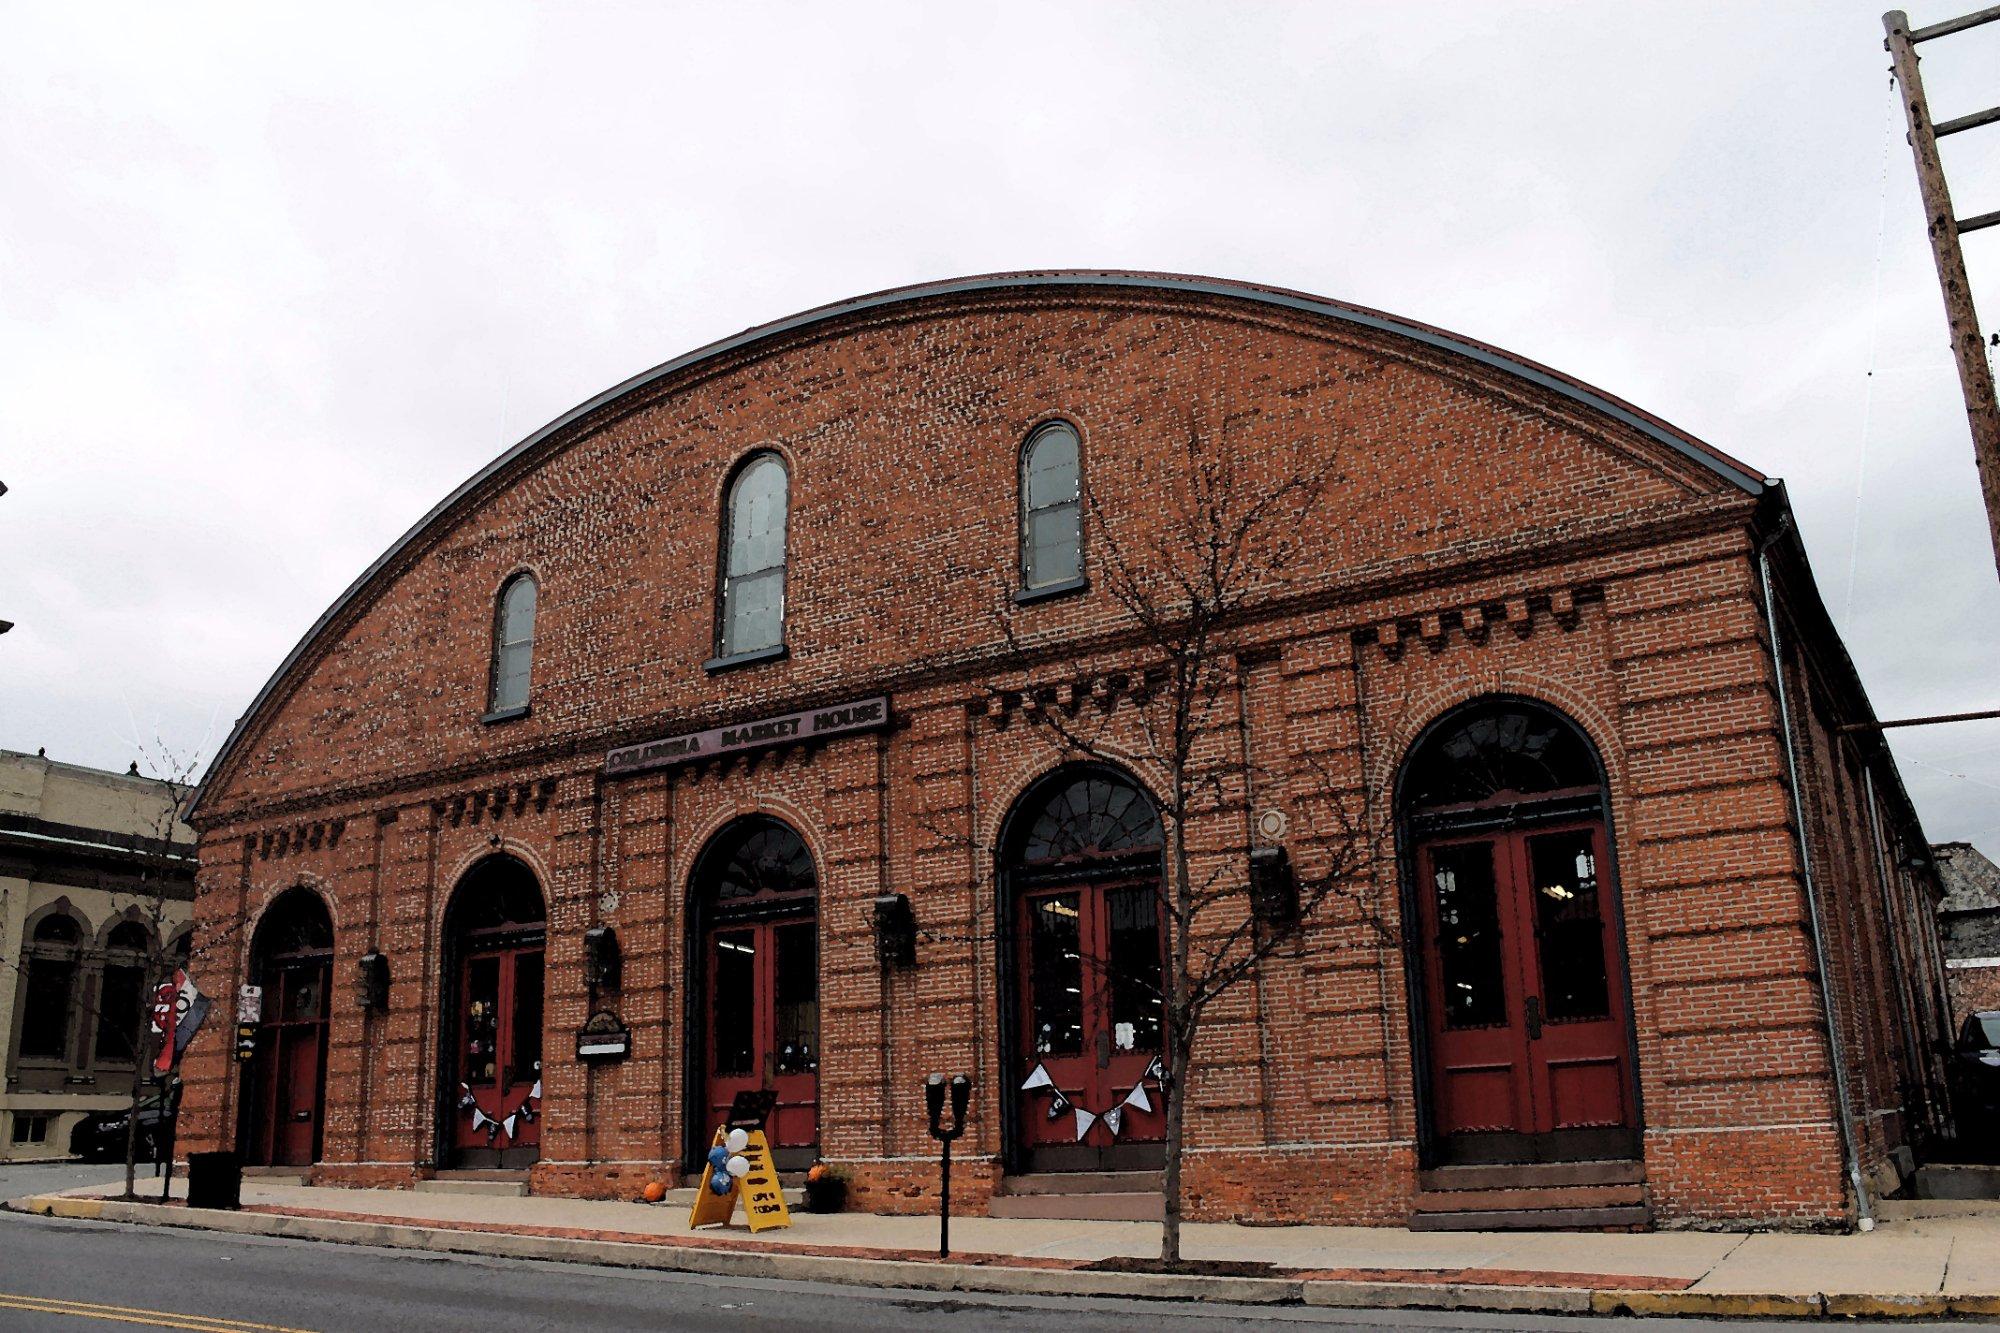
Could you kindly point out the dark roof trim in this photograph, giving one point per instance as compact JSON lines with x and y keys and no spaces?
{"x":1542,"y":377}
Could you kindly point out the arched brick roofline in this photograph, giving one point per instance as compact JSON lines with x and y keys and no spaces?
{"x":1217,"y":289}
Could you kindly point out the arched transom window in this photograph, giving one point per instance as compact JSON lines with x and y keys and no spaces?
{"x":1051,"y":508}
{"x":49,"y":998}
{"x":753,"y":559}
{"x":513,"y":643}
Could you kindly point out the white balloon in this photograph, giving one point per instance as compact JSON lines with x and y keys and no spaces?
{"x":738,"y":1140}
{"x":738,"y":1167}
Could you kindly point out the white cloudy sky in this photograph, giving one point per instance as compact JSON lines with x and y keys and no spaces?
{"x":274,"y":278}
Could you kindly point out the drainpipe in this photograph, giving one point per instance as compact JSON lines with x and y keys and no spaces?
{"x":1865,"y":1218}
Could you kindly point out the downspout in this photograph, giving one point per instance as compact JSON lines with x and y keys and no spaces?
{"x":1865,"y":1217}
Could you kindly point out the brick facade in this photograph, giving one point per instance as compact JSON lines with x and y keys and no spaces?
{"x":1498,"y":531}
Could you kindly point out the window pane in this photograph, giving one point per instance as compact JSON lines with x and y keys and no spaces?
{"x":517,"y":614}
{"x":118,"y":1014}
{"x":732,"y":1002}
{"x":755,"y":612}
{"x":482,"y":1021}
{"x":45,"y":1016}
{"x":1569,"y":926}
{"x":1054,"y":539}
{"x":525,"y":1060}
{"x":1051,"y":468}
{"x":797,"y":984}
{"x":1136,"y":999}
{"x":1056,"y":975}
{"x":757,"y":518}
{"x":1475,"y":993}
{"x":510,"y":679}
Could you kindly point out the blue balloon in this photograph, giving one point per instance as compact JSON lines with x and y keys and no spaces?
{"x":718,"y":1157}
{"x":720,"y":1183}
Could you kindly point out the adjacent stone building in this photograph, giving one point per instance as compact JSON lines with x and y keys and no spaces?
{"x":94,"y":870}
{"x":719,"y":738}
{"x":1969,"y":921}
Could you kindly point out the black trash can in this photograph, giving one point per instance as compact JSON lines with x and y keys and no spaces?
{"x":215,"y":1180}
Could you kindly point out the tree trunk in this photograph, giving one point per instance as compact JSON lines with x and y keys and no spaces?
{"x":142,"y":1058}
{"x":1176,"y":1081}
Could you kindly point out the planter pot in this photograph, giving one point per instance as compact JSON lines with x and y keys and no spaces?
{"x":826,"y":1196}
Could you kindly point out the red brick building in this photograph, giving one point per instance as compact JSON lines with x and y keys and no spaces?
{"x":643,"y":725}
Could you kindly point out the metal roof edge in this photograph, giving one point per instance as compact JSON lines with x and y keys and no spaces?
{"x":1494,"y":358}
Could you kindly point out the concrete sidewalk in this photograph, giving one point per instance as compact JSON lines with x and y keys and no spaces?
{"x":1925,"y":1259}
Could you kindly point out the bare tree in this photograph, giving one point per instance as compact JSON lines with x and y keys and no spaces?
{"x":1228,"y":538}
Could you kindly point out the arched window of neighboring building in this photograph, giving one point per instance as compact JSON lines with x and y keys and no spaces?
{"x":513,"y":643}
{"x":1051,"y":508}
{"x":753,"y":558}
{"x":49,"y":989}
{"x":118,"y":994}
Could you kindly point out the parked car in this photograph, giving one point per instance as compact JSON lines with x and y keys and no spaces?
{"x":1975,"y":1077}
{"x":101,"y":1137}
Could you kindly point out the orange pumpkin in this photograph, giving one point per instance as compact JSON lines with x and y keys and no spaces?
{"x":655,"y":1191}
{"x":817,"y":1172}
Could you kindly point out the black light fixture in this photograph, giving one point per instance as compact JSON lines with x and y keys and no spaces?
{"x":895,"y":930}
{"x":371,"y":982}
{"x":603,"y":964}
{"x":960,"y":1088}
{"x":1274,"y":889}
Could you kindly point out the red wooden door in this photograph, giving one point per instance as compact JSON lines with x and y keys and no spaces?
{"x":763,"y":1028}
{"x":1529,"y":1040}
{"x":1091,"y":1017}
{"x":498,"y":1120}
{"x":290,"y":1072}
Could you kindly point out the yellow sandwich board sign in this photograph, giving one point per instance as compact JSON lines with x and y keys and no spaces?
{"x":763,"y":1197}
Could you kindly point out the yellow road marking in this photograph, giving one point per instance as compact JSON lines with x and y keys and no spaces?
{"x":199,"y":1323}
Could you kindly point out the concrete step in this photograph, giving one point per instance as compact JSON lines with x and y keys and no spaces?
{"x":1531,"y":1175}
{"x":1531,"y":1200}
{"x":1531,"y":1219}
{"x":275,"y":1175}
{"x":795,"y":1199}
{"x":1085,"y":1182}
{"x":1102,"y":1206}
{"x":507,"y":1189}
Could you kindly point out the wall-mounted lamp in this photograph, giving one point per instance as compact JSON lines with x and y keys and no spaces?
{"x":895,"y":930}
{"x":603,"y":965}
{"x":1274,"y":889}
{"x":371,"y":982}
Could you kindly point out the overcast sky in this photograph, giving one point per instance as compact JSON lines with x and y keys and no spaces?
{"x":275,"y":278}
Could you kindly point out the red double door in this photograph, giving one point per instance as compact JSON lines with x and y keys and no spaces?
{"x":1530,"y":1042}
{"x":1090,"y":1025}
{"x":496,"y":1113}
{"x":763,"y":1029}
{"x":289,"y":1088}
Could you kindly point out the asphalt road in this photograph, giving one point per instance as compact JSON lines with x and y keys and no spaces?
{"x":68,"y":1277}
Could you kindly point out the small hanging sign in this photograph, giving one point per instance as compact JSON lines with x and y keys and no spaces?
{"x":603,"y":1036}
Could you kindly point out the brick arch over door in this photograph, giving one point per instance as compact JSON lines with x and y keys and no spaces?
{"x":1520,"y":992}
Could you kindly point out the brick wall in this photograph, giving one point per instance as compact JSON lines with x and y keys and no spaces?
{"x":1483,"y":536}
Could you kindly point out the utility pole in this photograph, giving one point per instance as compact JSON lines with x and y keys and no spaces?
{"x":1975,"y":375}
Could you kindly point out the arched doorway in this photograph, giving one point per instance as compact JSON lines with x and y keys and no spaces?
{"x":494,"y":932}
{"x":1518,"y":950}
{"x":753,"y":932}
{"x":1084,"y":954}
{"x":291,"y":960}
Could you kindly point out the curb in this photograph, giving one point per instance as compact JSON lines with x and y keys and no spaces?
{"x":926,"y":1275}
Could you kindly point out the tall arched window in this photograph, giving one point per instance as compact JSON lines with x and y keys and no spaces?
{"x":125,"y":950}
{"x":1051,"y":508}
{"x":753,"y":558}
{"x":513,"y":643}
{"x":49,"y":989}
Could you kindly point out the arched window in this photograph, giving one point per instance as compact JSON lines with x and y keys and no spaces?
{"x":753,"y":558}
{"x":1051,"y":508}
{"x":49,"y":990}
{"x":513,"y":643}
{"x":118,"y":1018}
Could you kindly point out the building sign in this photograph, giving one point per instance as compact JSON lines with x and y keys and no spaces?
{"x":603,"y":1037}
{"x":812,"y":724}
